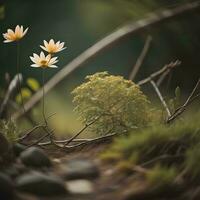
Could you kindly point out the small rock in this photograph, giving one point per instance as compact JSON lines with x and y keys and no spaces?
{"x":80,"y":187}
{"x":40,"y":184}
{"x":35,"y":157}
{"x":14,"y":170}
{"x":18,"y":149}
{"x":6,"y":187}
{"x":79,"y":169}
{"x":56,"y":161}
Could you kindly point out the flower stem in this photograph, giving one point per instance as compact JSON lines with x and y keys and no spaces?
{"x":43,"y":94}
{"x":18,"y":75}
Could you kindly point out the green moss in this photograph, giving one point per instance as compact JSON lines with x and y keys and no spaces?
{"x":156,"y":141}
{"x":110,"y":156}
{"x":120,"y":104}
{"x":125,"y":167}
{"x":166,"y":151}
{"x":161,"y":176}
{"x":192,"y":163}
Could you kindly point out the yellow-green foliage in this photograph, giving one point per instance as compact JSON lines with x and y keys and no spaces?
{"x":192,"y":162}
{"x":161,"y":176}
{"x":32,"y":86}
{"x":165,"y":150}
{"x":119,"y":103}
{"x":9,"y":130}
{"x":156,"y":141}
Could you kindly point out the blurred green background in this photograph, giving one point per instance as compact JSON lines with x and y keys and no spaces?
{"x":81,"y":23}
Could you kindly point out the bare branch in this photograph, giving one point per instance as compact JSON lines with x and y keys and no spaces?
{"x":41,"y":138}
{"x":95,"y":140}
{"x":11,"y":88}
{"x":28,"y":116}
{"x":27,"y":133}
{"x":141,"y":58}
{"x":84,"y":128}
{"x":161,"y":97}
{"x":182,"y":108}
{"x":63,"y":141}
{"x":156,"y":74}
{"x":162,"y":78}
{"x":91,"y":52}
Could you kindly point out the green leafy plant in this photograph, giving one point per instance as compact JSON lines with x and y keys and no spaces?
{"x":32,"y":86}
{"x":174,"y":103}
{"x":118,"y":104}
{"x":9,"y":130}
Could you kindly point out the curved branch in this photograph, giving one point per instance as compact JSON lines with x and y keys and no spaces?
{"x":152,"y":19}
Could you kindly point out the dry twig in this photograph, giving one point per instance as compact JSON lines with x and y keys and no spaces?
{"x":27,"y":133}
{"x":92,"y":141}
{"x":141,"y":58}
{"x":189,"y":100}
{"x":11,"y":88}
{"x":83,"y":129}
{"x":158,"y":73}
{"x":161,"y":97}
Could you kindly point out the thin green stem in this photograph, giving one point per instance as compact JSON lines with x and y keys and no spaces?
{"x":18,"y":75}
{"x":43,"y":94}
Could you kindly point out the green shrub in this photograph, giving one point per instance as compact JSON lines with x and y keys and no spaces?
{"x":118,"y":104}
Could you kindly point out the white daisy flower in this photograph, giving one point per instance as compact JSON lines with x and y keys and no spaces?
{"x":53,"y":47}
{"x":15,"y":35}
{"x":43,"y":61}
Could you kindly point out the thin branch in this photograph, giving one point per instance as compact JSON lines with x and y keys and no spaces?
{"x":92,"y":141}
{"x":156,"y":74}
{"x":41,"y":125}
{"x":64,"y":141}
{"x":160,"y":158}
{"x":83,"y":129}
{"x":29,"y":132}
{"x":108,"y":41}
{"x":40,"y":139}
{"x":182,"y":108}
{"x":160,"y":97}
{"x":11,"y":88}
{"x":141,"y":58}
{"x":28,"y":116}
{"x":162,"y":78}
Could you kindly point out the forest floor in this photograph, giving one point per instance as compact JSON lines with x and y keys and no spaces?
{"x":108,"y":185}
{"x":88,"y":178}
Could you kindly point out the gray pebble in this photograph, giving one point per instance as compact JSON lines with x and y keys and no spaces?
{"x":40,"y":184}
{"x":35,"y":157}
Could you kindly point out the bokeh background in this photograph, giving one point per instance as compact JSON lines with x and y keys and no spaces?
{"x":80,"y":24}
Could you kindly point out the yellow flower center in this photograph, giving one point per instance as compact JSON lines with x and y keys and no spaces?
{"x":44,"y":63}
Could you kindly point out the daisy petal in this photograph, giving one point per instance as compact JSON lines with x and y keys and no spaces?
{"x":7,"y":41}
{"x":35,"y":65}
{"x":53,"y":66}
{"x":24,"y":33}
{"x":44,"y":48}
